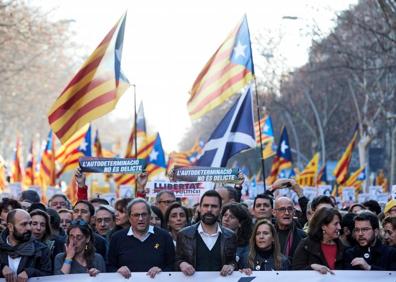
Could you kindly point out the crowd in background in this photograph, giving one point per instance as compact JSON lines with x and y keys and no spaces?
{"x":220,"y":233}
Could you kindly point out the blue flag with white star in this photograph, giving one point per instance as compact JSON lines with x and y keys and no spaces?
{"x":234,"y":133}
{"x":86,"y":145}
{"x":156,"y":162}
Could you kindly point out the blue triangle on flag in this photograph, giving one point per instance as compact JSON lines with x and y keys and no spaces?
{"x":234,"y":133}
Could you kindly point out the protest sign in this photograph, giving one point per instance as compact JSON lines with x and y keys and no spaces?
{"x":325,"y":190}
{"x":348,"y":194}
{"x":181,"y":189}
{"x":127,"y":191}
{"x":310,"y":192}
{"x":206,"y":174}
{"x":112,"y":165}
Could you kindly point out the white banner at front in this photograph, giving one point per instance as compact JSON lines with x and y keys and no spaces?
{"x":257,"y":276}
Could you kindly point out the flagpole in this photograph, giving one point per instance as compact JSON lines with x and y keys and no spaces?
{"x":135,"y":126}
{"x":261,"y":139}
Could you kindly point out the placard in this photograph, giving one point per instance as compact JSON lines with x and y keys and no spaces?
{"x":181,"y":189}
{"x":127,"y":191}
{"x":325,"y":190}
{"x":112,"y":165}
{"x":348,"y":194}
{"x":206,"y":174}
{"x":310,"y":192}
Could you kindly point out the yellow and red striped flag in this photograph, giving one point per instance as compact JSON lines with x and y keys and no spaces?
{"x":143,"y":152}
{"x":141,"y":133}
{"x":16,"y":168}
{"x":283,"y":159}
{"x":78,"y":146}
{"x":308,"y":175}
{"x":341,"y":170}
{"x":94,"y":90}
{"x":354,"y":179}
{"x":3,"y":181}
{"x":225,"y":74}
{"x":47,"y":163}
{"x":30,"y":170}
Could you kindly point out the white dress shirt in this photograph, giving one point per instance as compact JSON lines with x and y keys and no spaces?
{"x":209,"y":239}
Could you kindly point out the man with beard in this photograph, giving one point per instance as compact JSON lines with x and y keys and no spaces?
{"x":369,"y":253}
{"x":206,"y":245}
{"x":22,"y":257}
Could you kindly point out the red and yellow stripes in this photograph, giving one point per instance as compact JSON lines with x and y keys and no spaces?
{"x":342,"y":167}
{"x":219,"y":79}
{"x":90,"y":94}
{"x":143,"y":152}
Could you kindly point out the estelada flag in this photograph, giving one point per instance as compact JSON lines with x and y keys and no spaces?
{"x":227,"y":72}
{"x":95,"y":89}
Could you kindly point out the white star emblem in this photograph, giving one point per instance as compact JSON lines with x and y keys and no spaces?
{"x":265,"y":128}
{"x":284,"y":147}
{"x":239,"y":50}
{"x":83,"y":146}
{"x":153,"y":155}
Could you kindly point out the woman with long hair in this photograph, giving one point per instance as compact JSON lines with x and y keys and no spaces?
{"x":42,"y":231}
{"x":176,"y":218}
{"x":322,"y":250}
{"x":156,"y":217}
{"x":236,"y":217}
{"x":80,"y":255}
{"x":264,"y":249}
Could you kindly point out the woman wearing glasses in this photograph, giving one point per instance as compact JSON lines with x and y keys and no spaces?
{"x":322,"y":250}
{"x":80,"y":256}
{"x":264,"y":249}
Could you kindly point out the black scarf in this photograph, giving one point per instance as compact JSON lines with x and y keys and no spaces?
{"x":20,"y":250}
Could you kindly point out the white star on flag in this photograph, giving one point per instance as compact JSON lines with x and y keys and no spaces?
{"x":83,"y":146}
{"x":153,"y":155}
{"x":284,"y":147}
{"x":239,"y":50}
{"x":265,"y":128}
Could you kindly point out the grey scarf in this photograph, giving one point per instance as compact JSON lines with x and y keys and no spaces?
{"x":20,"y":250}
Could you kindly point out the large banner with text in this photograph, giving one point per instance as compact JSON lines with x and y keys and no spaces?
{"x":275,"y":276}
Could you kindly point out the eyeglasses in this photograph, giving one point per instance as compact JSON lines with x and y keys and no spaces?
{"x":82,"y":211}
{"x":138,"y":215}
{"x":79,"y":222}
{"x":105,"y":220}
{"x":363,"y":230}
{"x":168,"y":202}
{"x":284,"y":210}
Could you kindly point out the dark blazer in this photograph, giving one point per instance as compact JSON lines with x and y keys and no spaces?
{"x":186,"y":246}
{"x":309,"y":252}
{"x":380,"y":257}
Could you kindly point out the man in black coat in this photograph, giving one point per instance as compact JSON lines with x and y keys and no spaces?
{"x":369,"y":253}
{"x":206,"y":246}
{"x":22,"y":257}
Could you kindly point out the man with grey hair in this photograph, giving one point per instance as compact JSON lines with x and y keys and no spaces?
{"x":164,"y":199}
{"x":289,"y":235}
{"x":142,"y":247}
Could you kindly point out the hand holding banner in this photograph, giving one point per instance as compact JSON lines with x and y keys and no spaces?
{"x":206,"y":174}
{"x":112,"y":165}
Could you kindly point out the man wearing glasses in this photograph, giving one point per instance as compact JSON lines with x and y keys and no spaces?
{"x":85,"y":210}
{"x":142,"y":247}
{"x":289,"y":235}
{"x":369,"y":253}
{"x":163,"y":200}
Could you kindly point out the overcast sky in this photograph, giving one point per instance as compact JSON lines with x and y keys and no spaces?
{"x":167,"y":43}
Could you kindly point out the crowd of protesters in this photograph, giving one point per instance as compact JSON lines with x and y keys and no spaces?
{"x":220,"y":234}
